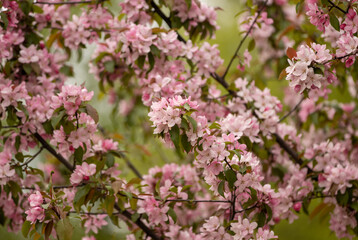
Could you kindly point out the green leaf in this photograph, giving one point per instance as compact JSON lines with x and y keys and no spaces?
{"x":48,"y":127}
{"x":151,"y":62}
{"x":48,"y":230}
{"x":19,"y":156}
{"x":133,"y":202}
{"x":68,"y":127}
{"x":109,"y":66}
{"x":109,"y":204}
{"x":56,"y":120}
{"x":343,"y":199}
{"x":79,"y":154}
{"x":92,"y":112}
{"x":11,"y":119}
{"x":184,"y":124}
{"x":109,"y":160}
{"x":175,"y":136}
{"x":155,"y":50}
{"x":215,"y":125}
{"x":192,"y":121}
{"x":230,"y":176}
{"x":64,"y":229}
{"x":252,"y":45}
{"x":135,"y":217}
{"x":221,"y":188}
{"x":334,"y":22}
{"x":188,"y":3}
{"x":186,"y":106}
{"x":26,"y":226}
{"x":185,"y":143}
{"x":305,"y":204}
{"x":317,"y":70}
{"x":325,"y":2}
{"x":80,"y":197}
{"x":4,"y":19}
{"x":67,"y":70}
{"x":140,"y":61}
{"x":261,"y":219}
{"x":17,"y":142}
{"x":37,"y":9}
{"x":172,"y":214}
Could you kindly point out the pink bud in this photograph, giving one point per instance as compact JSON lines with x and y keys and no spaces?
{"x":297,"y":206}
{"x":351,"y":14}
{"x":321,"y":178}
{"x":297,"y":88}
{"x":48,"y":17}
{"x":276,"y":219}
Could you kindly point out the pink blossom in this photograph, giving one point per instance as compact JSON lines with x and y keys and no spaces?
{"x":35,"y":199}
{"x":34,"y":214}
{"x":83,"y":172}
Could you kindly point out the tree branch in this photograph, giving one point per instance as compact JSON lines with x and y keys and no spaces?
{"x":292,"y":110}
{"x":72,"y":3}
{"x":32,"y":158}
{"x":129,"y":163}
{"x":243,"y":40}
{"x":337,"y":7}
{"x":222,"y":82}
{"x":125,"y":213}
{"x":166,"y":19}
{"x":53,"y":152}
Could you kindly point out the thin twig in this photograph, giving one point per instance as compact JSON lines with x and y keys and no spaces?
{"x":166,"y":19}
{"x":292,"y":110}
{"x":337,"y":7}
{"x":32,"y":158}
{"x":73,"y":2}
{"x":197,"y":201}
{"x":228,"y":164}
{"x":125,"y":213}
{"x":53,"y":152}
{"x":221,"y":80}
{"x":15,"y":126}
{"x":123,"y":156}
{"x":139,"y":198}
{"x":339,"y":58}
{"x":243,"y":40}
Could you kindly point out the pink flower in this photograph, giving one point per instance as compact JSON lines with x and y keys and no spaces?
{"x":35,"y":199}
{"x":93,"y":223}
{"x":34,"y":214}
{"x":317,"y":17}
{"x":82,"y":172}
{"x":29,"y":55}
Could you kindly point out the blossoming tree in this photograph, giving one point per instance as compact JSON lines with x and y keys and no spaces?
{"x":254,"y":160}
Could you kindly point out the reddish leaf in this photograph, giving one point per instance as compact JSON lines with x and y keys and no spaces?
{"x":291,"y":53}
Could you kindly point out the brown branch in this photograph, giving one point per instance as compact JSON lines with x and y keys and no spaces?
{"x":72,"y":3}
{"x":339,"y":58}
{"x":123,"y":156}
{"x":166,"y":19}
{"x":292,"y":110}
{"x":32,"y":158}
{"x":243,"y":40}
{"x":222,"y":82}
{"x":125,"y":213}
{"x":337,"y":7}
{"x":53,"y":152}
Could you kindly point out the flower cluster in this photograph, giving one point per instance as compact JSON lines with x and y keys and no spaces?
{"x":301,"y":72}
{"x":168,"y":112}
{"x":36,"y":212}
{"x":83,"y":173}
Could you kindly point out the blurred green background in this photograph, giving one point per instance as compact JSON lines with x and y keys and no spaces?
{"x":148,"y":151}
